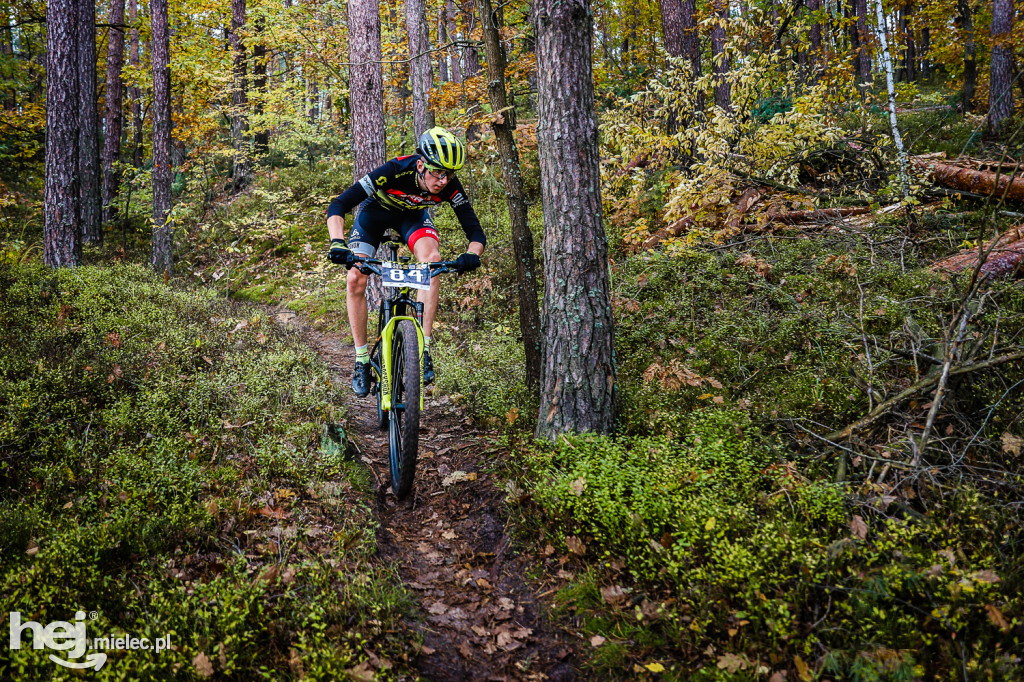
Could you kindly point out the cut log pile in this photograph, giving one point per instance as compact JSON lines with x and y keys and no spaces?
{"x":990,"y":178}
{"x":1005,"y":253}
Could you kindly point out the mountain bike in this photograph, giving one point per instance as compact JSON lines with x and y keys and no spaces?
{"x":396,"y":359}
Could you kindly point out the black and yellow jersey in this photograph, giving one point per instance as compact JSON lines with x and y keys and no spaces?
{"x":393,"y":187}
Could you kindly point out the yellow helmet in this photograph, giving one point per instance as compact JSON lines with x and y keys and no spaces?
{"x":440,"y":149}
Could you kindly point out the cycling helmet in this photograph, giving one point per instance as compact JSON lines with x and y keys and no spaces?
{"x":440,"y":149}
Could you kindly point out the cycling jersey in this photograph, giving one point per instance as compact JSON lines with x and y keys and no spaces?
{"x":393,"y":188}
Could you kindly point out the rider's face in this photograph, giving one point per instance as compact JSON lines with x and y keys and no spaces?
{"x":433,"y":180}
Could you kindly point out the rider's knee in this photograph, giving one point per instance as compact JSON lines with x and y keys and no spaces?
{"x":356,"y":282}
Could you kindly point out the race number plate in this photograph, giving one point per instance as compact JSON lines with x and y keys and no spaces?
{"x":414,"y":276}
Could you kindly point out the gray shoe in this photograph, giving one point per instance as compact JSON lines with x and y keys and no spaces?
{"x":361,"y":379}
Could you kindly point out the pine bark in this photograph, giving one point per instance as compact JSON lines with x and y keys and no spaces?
{"x":163,"y":229}
{"x":366,"y":96}
{"x":113,"y":119}
{"x":719,"y":59}
{"x":420,"y":71}
{"x":453,"y":34}
{"x":504,"y":125}
{"x":442,"y":38}
{"x":859,"y":42}
{"x":366,"y":86}
{"x":577,"y":371}
{"x":241,"y":166}
{"x":89,"y":125}
{"x":966,"y":21}
{"x":62,"y":246}
{"x":1000,"y":89}
{"x":134,"y":92}
{"x":814,"y":37}
{"x":679,"y":28}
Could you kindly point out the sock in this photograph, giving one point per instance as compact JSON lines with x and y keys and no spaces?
{"x":363,"y":354}
{"x":426,"y":343}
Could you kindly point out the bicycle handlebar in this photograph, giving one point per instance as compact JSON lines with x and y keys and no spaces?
{"x":369,"y":265}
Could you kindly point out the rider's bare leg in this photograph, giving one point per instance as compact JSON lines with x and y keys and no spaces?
{"x":425,"y":251}
{"x":355,"y":300}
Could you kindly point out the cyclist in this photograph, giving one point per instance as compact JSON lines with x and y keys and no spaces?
{"x":398,"y":194}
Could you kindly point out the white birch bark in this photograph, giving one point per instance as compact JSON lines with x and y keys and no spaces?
{"x":891,"y":89}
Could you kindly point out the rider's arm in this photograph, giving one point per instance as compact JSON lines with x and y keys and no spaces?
{"x":467,"y":217}
{"x":351,"y":197}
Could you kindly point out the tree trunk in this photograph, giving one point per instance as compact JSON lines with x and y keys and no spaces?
{"x":970,"y":65}
{"x":112,"y":127}
{"x":259,"y":84}
{"x":504,"y":126}
{"x":89,"y":125}
{"x":1000,"y":89}
{"x":578,"y":372}
{"x":442,"y":39}
{"x":420,"y":71}
{"x":134,"y":92}
{"x":891,"y":90}
{"x":453,"y":34}
{"x":163,"y":228}
{"x":62,"y":246}
{"x":859,"y":43}
{"x":471,"y":67}
{"x":366,"y":95}
{"x":679,"y":27}
{"x":815,"y":57}
{"x":241,"y":171}
{"x":924,"y":63}
{"x":719,"y":59}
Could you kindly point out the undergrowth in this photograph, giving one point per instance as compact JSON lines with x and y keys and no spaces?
{"x":163,"y":466}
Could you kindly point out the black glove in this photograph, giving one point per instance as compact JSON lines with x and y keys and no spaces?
{"x":340,"y":253}
{"x":467,"y":262}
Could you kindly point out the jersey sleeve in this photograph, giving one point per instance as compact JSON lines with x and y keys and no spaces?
{"x":464,"y":212}
{"x":365,"y":187}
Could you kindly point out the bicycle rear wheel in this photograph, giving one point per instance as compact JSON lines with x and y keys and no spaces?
{"x":404,"y":419}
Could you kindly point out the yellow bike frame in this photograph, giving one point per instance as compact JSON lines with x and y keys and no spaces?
{"x":386,"y":335}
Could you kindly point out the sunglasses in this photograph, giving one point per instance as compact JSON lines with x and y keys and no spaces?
{"x":440,"y":174}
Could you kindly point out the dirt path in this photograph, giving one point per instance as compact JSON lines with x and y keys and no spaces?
{"x":481,"y":619}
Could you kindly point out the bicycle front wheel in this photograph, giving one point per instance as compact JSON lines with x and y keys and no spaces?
{"x":404,"y":420}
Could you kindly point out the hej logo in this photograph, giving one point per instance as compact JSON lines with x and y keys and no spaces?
{"x":59,"y":635}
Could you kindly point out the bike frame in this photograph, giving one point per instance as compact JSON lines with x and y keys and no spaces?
{"x":392,"y":311}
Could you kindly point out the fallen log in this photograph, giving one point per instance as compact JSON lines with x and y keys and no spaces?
{"x":986,"y":183}
{"x":1005,"y":254}
{"x":813,"y":216}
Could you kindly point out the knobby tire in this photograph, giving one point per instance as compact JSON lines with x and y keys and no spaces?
{"x":404,"y":419}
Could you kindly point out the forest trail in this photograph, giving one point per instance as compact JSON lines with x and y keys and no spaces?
{"x":481,"y":620}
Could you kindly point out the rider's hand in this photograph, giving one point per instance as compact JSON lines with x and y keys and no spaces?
{"x":340,"y":253}
{"x":467,"y":262}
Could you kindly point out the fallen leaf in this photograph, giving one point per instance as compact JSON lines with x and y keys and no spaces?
{"x":985,"y":576}
{"x":438,"y":608}
{"x":575,"y":545}
{"x":483,"y":584}
{"x":362,"y":672}
{"x":802,"y":669}
{"x":655,"y":667}
{"x":465,"y":650}
{"x":1012,"y":444}
{"x":597,"y":640}
{"x":732,"y":663}
{"x":203,"y":665}
{"x":997,"y":618}
{"x":578,"y":486}
{"x":481,"y":631}
{"x":613,"y":595}
{"x":859,"y":528}
{"x":778,"y":676}
{"x":449,"y":535}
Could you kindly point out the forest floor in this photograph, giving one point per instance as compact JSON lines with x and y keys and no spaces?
{"x":483,"y":617}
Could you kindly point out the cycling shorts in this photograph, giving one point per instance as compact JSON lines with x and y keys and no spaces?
{"x":372,"y":220}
